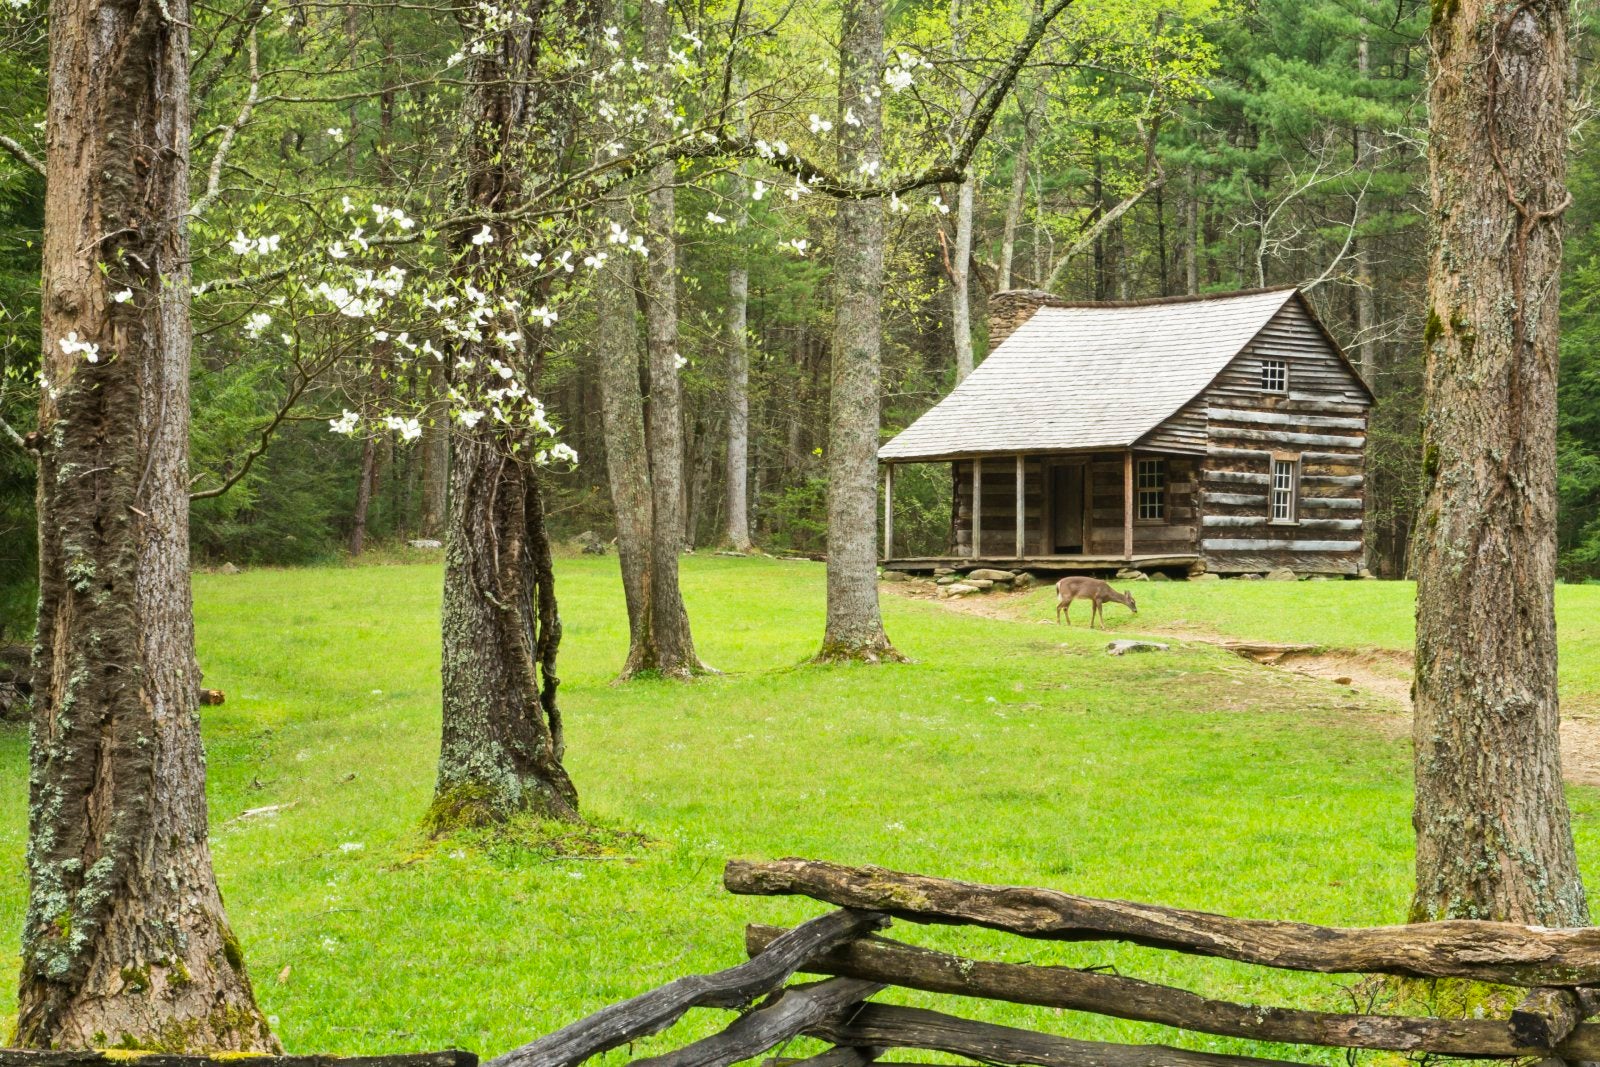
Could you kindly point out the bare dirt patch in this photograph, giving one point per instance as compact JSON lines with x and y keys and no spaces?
{"x":1381,"y":673}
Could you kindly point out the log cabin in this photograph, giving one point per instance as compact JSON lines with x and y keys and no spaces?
{"x":1220,"y":432}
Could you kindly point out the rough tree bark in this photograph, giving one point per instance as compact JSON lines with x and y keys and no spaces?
{"x":627,"y":463}
{"x":502,"y":742}
{"x":736,"y":531}
{"x":1493,"y":834}
{"x":125,"y":940}
{"x":669,"y":621}
{"x":855,"y":626}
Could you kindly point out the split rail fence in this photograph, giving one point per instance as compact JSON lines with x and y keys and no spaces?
{"x":1559,"y":969}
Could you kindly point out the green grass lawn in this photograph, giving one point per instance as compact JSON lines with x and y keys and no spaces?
{"x":1007,"y":752}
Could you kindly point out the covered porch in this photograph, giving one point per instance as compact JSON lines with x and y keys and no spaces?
{"x":1062,"y":511}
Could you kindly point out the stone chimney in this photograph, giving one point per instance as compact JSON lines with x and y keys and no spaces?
{"x":1013,"y":307}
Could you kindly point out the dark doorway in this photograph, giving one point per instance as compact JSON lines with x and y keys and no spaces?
{"x":1066,"y":509}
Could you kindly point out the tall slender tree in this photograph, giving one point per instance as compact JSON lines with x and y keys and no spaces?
{"x":125,"y":940}
{"x":1494,"y":839}
{"x":855,"y":625}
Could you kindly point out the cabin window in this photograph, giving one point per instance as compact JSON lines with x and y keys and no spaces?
{"x":1151,"y":480}
{"x":1274,"y":376}
{"x":1285,"y":489}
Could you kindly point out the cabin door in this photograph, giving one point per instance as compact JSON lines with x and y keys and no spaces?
{"x":1066,"y":509}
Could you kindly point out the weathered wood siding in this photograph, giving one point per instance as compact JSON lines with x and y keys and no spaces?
{"x":1176,"y":534}
{"x":999,"y":526}
{"x":1322,"y":418}
{"x":1173,"y":535}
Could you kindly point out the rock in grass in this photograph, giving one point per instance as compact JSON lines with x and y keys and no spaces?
{"x":1205,"y":576}
{"x":1122,"y":648}
{"x":1160,"y":576}
{"x":429,"y":544}
{"x":1024,"y":580}
{"x":895,"y":576}
{"x":956,"y":590}
{"x":987,"y":574}
{"x":1131,"y":574}
{"x":1282,"y":574}
{"x":228,"y":568}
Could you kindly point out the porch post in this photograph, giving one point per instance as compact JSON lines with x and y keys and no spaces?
{"x":888,"y":511}
{"x":977,"y":506}
{"x":1127,"y":504}
{"x":1022,"y":535}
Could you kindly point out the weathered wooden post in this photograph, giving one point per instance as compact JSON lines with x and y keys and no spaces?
{"x":1127,"y":504}
{"x":888,"y":511}
{"x":1022,"y":543}
{"x":977,"y":506}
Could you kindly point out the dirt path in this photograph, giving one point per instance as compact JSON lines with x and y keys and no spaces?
{"x":1381,"y":672}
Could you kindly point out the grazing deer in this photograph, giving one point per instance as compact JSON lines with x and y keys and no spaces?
{"x":1093,"y":590}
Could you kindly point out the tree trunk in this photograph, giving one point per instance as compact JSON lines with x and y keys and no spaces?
{"x":1014,"y":205}
{"x":364,"y":488}
{"x":674,"y":645}
{"x":1191,"y":245}
{"x":435,"y":476}
{"x":125,"y":941}
{"x":1494,"y":839}
{"x":855,"y":627}
{"x":1366,"y":292}
{"x":500,"y":754}
{"x":960,"y":263}
{"x":502,"y":746}
{"x":737,"y":529}
{"x":627,"y":463}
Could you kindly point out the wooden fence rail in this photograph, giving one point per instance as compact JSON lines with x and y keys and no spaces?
{"x":1560,"y":969}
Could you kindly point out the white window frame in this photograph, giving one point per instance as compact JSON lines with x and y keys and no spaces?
{"x":1150,"y":490}
{"x":1274,"y":369}
{"x":1283,"y":490}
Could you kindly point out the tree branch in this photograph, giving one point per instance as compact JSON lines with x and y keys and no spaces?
{"x":220,"y":157}
{"x":23,"y":156}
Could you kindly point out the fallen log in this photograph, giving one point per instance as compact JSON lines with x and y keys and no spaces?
{"x":893,"y":963}
{"x":1457,"y":948}
{"x":889,"y":1026}
{"x":26,"y":1057}
{"x":791,"y":1012}
{"x":650,"y":1013}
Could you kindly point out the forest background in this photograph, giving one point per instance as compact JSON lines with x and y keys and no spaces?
{"x":1152,"y":148}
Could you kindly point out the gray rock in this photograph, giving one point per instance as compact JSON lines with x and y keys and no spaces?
{"x":956,"y":590}
{"x":948,"y":579}
{"x":1160,"y":576}
{"x":989,"y":575}
{"x":1249,"y":577}
{"x":427,"y":543}
{"x":1122,"y":648}
{"x":1024,"y":580}
{"x":228,"y":568}
{"x":1197,"y":567}
{"x":895,"y":576}
{"x":1205,"y":577}
{"x":1282,"y":574}
{"x":978,"y":583}
{"x":1318,"y":578}
{"x":940,"y":572}
{"x":1130,"y":574}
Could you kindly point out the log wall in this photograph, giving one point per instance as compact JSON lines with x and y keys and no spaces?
{"x":1322,"y":418}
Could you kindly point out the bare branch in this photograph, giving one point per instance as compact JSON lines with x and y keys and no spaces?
{"x":23,"y":156}
{"x":220,"y":157}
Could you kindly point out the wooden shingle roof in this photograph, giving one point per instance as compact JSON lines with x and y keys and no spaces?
{"x":1083,"y":376}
